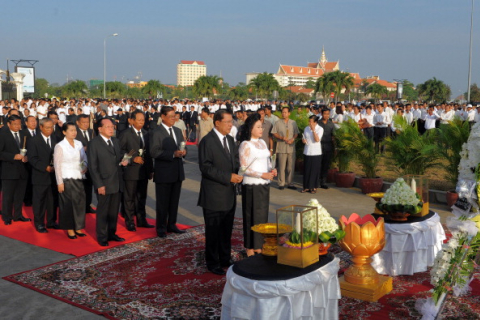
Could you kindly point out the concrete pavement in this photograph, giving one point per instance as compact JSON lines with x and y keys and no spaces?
{"x":17,"y":302}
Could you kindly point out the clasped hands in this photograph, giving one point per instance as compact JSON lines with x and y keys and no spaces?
{"x":179,"y":154}
{"x":20,"y":157}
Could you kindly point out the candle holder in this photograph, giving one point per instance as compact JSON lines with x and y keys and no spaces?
{"x":270,"y":231}
{"x":299,"y":247}
{"x":419,"y":184}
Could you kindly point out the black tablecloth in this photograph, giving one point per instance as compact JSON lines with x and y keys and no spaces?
{"x":410,"y":218}
{"x":260,"y":267}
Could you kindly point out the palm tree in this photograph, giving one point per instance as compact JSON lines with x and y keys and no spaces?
{"x":264,"y":84}
{"x":153,"y":87}
{"x":434,"y":90}
{"x":206,"y":86}
{"x":341,"y":80}
{"x":325,"y":86}
{"x":376,"y":90}
{"x":75,"y":89}
{"x":115,"y":89}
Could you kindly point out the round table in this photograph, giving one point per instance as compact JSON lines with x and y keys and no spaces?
{"x":310,"y":293}
{"x":410,"y":247}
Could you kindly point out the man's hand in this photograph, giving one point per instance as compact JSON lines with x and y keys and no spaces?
{"x":50,"y":169}
{"x":236,"y":178}
{"x":25,"y":159}
{"x":18,"y":157}
{"x":138,"y":160}
{"x":101,"y":191}
{"x":179,"y":154}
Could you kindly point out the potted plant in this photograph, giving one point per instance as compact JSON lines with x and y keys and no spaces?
{"x":344,"y":178}
{"x":451,"y":138}
{"x":364,"y":153}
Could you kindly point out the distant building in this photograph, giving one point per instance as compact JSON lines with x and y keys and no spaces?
{"x":132,"y":84}
{"x":95,"y":82}
{"x":189,"y":71}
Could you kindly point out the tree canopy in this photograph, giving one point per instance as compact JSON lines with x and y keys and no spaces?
{"x":434,"y":90}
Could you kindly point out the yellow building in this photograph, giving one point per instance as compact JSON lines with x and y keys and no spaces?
{"x":140,"y":84}
{"x":189,"y":71}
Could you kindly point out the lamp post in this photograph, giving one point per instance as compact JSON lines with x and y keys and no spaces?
{"x":470,"y":56}
{"x":105,"y":62}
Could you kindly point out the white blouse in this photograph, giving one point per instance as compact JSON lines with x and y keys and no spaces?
{"x":249,"y":150}
{"x":312,"y":148}
{"x":68,"y":160}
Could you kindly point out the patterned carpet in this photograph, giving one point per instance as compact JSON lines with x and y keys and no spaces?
{"x":166,"y":279}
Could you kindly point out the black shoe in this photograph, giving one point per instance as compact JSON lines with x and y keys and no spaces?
{"x":116,"y":238}
{"x":7,"y":223}
{"x":103,"y":243}
{"x":80,"y":234}
{"x":145,"y":225}
{"x":324,"y":186}
{"x":227,"y":264}
{"x":23,"y":219}
{"x":292,"y":187}
{"x":27,"y":204}
{"x":131,"y":227}
{"x":53,"y":226}
{"x":174,"y":229}
{"x":281,"y":188}
{"x":217,"y":270}
{"x":71,"y":237}
{"x":90,"y":210}
{"x":41,"y":229}
{"x":162,"y":234}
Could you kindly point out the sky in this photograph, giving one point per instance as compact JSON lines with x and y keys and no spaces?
{"x":409,"y":39}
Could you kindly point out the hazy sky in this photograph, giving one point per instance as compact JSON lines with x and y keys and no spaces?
{"x":408,"y":39}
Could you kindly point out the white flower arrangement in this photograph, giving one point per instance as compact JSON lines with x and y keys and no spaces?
{"x":400,"y":193}
{"x":325,"y":221}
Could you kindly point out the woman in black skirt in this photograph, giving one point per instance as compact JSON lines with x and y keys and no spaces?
{"x":257,"y":173}
{"x":70,"y":166}
{"x":312,"y":160}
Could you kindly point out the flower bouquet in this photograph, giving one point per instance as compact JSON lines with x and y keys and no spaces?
{"x":327,"y":229}
{"x":400,"y":201}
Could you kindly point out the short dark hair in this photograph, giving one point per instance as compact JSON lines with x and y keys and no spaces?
{"x":13,"y":117}
{"x":51,"y":113}
{"x":286,"y":107}
{"x":66,"y":125}
{"x":82,"y":116}
{"x":133,"y":115}
{"x":246,"y":133}
{"x":206,"y":110}
{"x":165,"y":110}
{"x":219,"y":114}
{"x":100,"y":124}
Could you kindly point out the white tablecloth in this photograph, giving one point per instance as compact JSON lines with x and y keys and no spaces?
{"x":311,"y":296}
{"x":409,"y":247}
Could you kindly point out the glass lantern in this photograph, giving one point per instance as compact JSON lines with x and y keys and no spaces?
{"x":299,"y":246}
{"x":419,"y":184}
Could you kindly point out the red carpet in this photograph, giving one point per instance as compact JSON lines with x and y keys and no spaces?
{"x":166,"y":279}
{"x":57,"y":240}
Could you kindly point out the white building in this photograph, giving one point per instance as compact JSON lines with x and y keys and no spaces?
{"x":189,"y":71}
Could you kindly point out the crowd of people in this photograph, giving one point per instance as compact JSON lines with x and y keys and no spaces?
{"x":56,"y":153}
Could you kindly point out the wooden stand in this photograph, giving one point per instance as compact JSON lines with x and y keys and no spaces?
{"x":366,"y":292}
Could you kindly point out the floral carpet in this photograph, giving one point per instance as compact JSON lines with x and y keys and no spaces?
{"x":167,"y":279}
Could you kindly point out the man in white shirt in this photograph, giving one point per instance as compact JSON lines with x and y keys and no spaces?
{"x":41,"y":110}
{"x":382,"y":121}
{"x":430,"y":118}
{"x":448,"y":115}
{"x":408,"y":115}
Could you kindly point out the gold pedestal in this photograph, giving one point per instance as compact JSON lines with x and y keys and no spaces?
{"x":370,"y":292}
{"x":269,"y":232}
{"x":300,"y":258}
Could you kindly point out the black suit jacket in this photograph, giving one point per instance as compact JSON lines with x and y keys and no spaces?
{"x":122,"y":123}
{"x":194,"y":118}
{"x":129,"y":140}
{"x":11,"y":169}
{"x":103,"y":164}
{"x":58,"y":133}
{"x":186,"y":117}
{"x":167,"y":168}
{"x":82,"y":139}
{"x":72,"y":118}
{"x":217,"y":193}
{"x":40,"y":157}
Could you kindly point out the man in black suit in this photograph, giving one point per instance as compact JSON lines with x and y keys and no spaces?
{"x":30,"y":131}
{"x":14,"y":170}
{"x":138,"y":171}
{"x":185,"y":116}
{"x":192,"y":133}
{"x":85,"y":135}
{"x":169,"y":172}
{"x":104,"y":155}
{"x":122,"y":121}
{"x":57,"y":126}
{"x":40,"y":153}
{"x":219,"y":163}
{"x":154,"y":117}
{"x":71,"y":117}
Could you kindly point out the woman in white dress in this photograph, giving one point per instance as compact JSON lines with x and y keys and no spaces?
{"x":70,"y":163}
{"x":255,"y":155}
{"x":312,"y":135}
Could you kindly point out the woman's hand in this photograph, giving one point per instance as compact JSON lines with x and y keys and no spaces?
{"x":267,"y":176}
{"x":61,"y":188}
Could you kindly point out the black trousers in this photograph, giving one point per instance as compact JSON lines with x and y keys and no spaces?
{"x":311,"y":171}
{"x":28,"y":198}
{"x":168,"y":197}
{"x":135,"y":199}
{"x":13,"y":194}
{"x":255,"y":201}
{"x":369,"y":133}
{"x":218,"y":236}
{"x":327,"y":157}
{"x":43,"y":202}
{"x":72,"y":205}
{"x":107,"y":214}
{"x":88,"y":188}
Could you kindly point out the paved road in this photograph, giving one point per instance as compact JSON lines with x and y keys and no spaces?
{"x":17,"y":302}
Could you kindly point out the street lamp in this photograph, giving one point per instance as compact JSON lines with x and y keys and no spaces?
{"x":105,"y":62}
{"x":470,"y":56}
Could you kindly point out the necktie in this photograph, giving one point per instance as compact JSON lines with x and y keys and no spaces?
{"x":171,"y":133}
{"x":85,"y":135}
{"x":17,"y":139}
{"x":141,"y":140}
{"x":33,"y":133}
{"x":48,"y":143}
{"x":225,"y":146}
{"x":111,"y":145}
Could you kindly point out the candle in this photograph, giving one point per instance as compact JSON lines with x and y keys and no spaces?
{"x":414,"y":185}
{"x":297,"y":223}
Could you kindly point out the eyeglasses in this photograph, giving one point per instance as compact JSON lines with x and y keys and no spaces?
{"x":230,"y":121}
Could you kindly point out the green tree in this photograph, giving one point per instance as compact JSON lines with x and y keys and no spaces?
{"x":239,"y":92}
{"x":153,"y":87}
{"x":474,"y":93}
{"x":325,"y":86}
{"x":75,"y":89}
{"x":340,"y":81}
{"x":206,"y":86}
{"x":134,"y":93}
{"x":409,"y":91}
{"x":376,"y":90}
{"x":41,"y":87}
{"x":434,"y":90}
{"x":310,"y":84}
{"x":115,"y":89}
{"x":264,"y":84}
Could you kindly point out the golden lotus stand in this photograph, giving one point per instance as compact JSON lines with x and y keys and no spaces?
{"x":269,"y":232}
{"x":364,"y":237}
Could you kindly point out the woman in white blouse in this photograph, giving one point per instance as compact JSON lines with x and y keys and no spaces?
{"x":70,"y":163}
{"x":255,"y":159}
{"x":312,"y":160}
